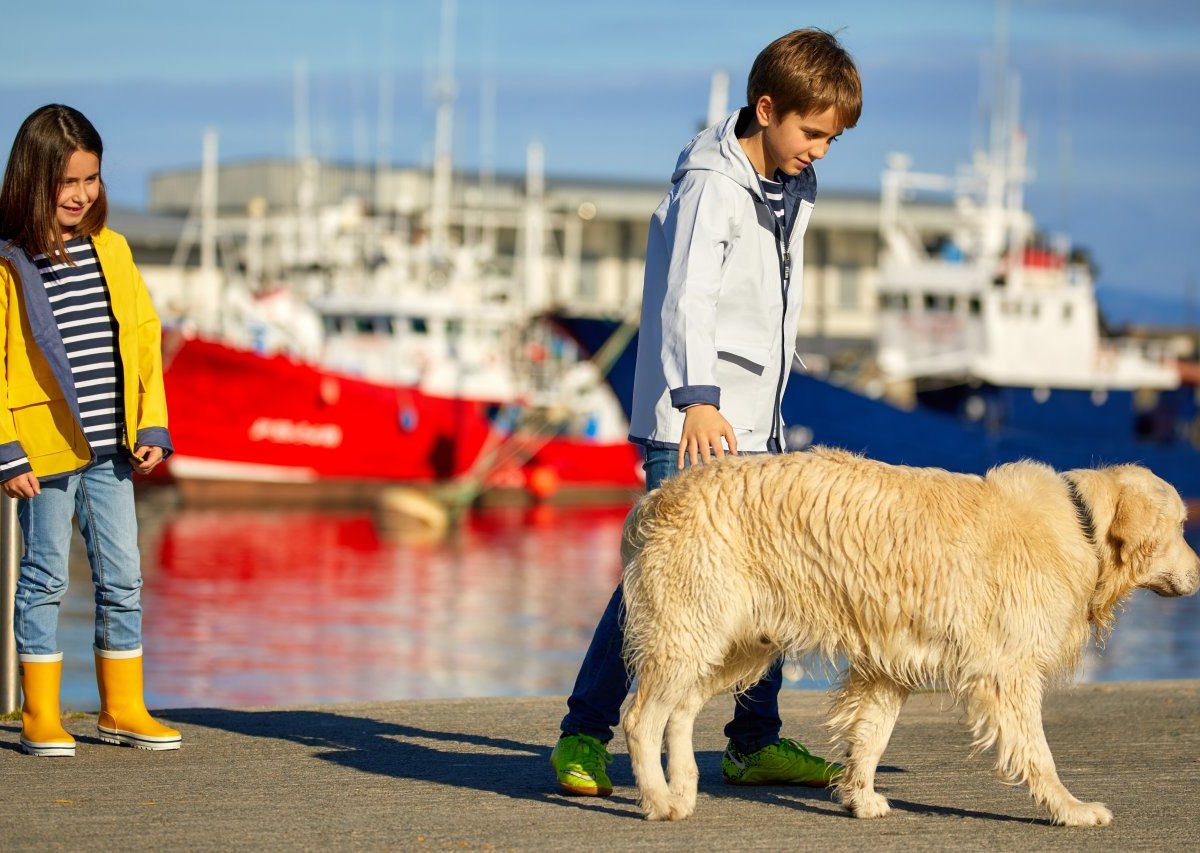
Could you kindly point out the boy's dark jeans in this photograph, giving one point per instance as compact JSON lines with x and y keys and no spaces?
{"x":594,"y":706}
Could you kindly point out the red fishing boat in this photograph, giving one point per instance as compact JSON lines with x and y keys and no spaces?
{"x":250,"y":424}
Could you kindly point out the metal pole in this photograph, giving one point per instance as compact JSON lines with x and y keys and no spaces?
{"x":10,"y":558}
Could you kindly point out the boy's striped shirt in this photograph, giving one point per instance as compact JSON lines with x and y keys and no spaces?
{"x":83,"y":313}
{"x":773,"y":192}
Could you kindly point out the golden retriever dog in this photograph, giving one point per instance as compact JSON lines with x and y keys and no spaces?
{"x":990,"y":586}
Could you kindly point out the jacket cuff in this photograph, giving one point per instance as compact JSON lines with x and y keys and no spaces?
{"x":155,"y":437}
{"x":690,"y":395}
{"x":13,"y":461}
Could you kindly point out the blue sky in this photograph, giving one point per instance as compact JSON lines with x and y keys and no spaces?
{"x":614,"y":89}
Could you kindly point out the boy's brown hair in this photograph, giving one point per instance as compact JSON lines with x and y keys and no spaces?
{"x":807,"y":71}
{"x":29,"y":196}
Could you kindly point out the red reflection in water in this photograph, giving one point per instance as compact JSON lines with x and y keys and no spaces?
{"x":292,"y":607}
{"x":265,"y":607}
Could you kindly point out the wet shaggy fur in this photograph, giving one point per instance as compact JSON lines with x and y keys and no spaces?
{"x":989,"y":586}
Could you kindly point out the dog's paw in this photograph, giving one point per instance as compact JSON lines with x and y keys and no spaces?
{"x":666,"y":808}
{"x":685,"y":794}
{"x":1084,"y":814}
{"x":868,"y":804}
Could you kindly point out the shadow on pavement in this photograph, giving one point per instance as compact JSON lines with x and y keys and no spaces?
{"x":511,"y":768}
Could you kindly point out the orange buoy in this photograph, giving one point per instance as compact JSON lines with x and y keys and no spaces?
{"x":542,"y":482}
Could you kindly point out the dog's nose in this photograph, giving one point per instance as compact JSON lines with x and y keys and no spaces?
{"x":1195,"y":575}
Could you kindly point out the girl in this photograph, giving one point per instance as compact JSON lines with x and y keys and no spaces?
{"x":82,"y":407}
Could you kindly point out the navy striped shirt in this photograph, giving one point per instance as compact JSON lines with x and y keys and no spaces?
{"x":773,"y":192}
{"x":83,"y":313}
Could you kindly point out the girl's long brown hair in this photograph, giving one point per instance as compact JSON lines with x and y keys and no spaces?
{"x":29,"y":196}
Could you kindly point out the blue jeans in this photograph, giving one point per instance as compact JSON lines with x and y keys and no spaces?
{"x":594,"y":706}
{"x":101,"y":497}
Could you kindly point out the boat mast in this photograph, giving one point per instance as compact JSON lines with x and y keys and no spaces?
{"x":208,"y":204}
{"x":383,"y":141}
{"x":718,"y":97}
{"x":306,"y":250}
{"x":998,"y":161}
{"x":536,"y":297}
{"x":439,"y":213}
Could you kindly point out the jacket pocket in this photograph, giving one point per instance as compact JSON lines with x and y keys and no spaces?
{"x":29,"y":392}
{"x":744,"y":378}
{"x":42,"y":418}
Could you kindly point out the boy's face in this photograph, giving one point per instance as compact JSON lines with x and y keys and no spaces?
{"x":791,"y":142}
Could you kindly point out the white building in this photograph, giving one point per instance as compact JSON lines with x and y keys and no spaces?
{"x":594,"y":232}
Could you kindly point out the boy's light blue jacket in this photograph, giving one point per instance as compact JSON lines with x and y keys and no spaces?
{"x":719,"y":313}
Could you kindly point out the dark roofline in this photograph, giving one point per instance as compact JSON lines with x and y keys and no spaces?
{"x":562,"y":181}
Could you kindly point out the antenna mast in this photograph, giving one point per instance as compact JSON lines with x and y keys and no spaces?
{"x":439,"y":214}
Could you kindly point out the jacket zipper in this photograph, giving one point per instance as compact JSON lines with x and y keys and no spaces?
{"x":785,"y":279}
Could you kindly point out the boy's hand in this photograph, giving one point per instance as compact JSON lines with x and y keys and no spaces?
{"x":23,"y":486}
{"x":146,"y":457}
{"x":703,"y":428}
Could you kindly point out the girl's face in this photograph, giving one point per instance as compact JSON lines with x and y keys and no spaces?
{"x":77,"y":192}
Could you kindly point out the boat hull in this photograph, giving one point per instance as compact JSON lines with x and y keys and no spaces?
{"x":1066,"y":428}
{"x":257,"y":424}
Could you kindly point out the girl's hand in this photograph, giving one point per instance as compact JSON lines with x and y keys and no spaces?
{"x":146,"y":457}
{"x":22,"y":486}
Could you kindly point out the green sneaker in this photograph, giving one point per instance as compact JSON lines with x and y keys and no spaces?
{"x":782,"y":763}
{"x":578,"y":762}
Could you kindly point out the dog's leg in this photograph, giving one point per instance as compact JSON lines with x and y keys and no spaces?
{"x":1008,"y":712}
{"x":644,"y":725}
{"x":866,"y":710}
{"x":682,"y":772}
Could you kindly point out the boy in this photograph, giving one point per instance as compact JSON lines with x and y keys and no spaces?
{"x":720,"y":308}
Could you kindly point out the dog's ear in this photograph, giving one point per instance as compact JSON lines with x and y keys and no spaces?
{"x":1133,"y":527}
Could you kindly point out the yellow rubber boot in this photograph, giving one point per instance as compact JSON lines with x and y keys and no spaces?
{"x":123,"y":715}
{"x":42,"y":732}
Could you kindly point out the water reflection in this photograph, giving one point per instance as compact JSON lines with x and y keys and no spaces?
{"x":271,"y":607}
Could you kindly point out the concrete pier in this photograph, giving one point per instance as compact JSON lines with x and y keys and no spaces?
{"x":473,"y":775}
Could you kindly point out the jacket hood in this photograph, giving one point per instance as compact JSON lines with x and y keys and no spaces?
{"x":13,"y":253}
{"x":8,"y":251}
{"x":716,"y":149}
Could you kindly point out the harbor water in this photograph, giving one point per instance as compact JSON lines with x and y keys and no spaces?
{"x":259,"y":607}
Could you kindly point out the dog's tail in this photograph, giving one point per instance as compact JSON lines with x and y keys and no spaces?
{"x":634,"y":533}
{"x":639,"y":525}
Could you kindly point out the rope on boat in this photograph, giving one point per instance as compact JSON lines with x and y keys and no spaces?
{"x":532,"y":431}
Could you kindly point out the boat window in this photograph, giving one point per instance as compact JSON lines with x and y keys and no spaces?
{"x":589,"y":279}
{"x":847,"y":287}
{"x":418,"y":325}
{"x":363,"y":325}
{"x":1067,"y":313}
{"x":975,"y":307}
{"x":454,"y":326}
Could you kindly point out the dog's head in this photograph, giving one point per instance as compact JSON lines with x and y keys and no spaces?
{"x":1139,"y":521}
{"x":1146,"y":533}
